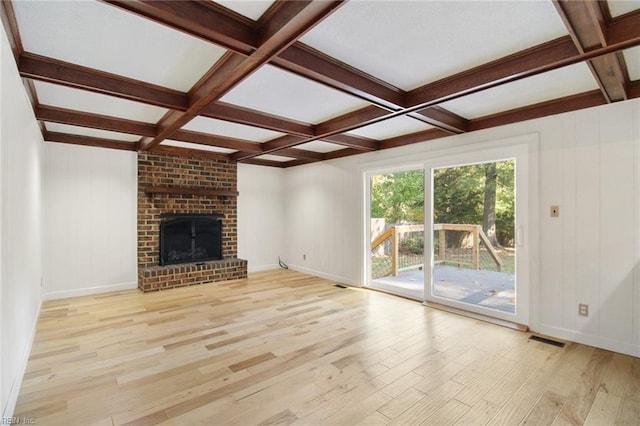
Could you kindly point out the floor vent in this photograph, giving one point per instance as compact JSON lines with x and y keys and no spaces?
{"x":547,"y":341}
{"x":340,"y":286}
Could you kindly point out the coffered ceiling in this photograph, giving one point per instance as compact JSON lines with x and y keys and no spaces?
{"x":287,"y":83}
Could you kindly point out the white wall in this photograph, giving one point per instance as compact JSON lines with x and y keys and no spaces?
{"x":20,"y":228}
{"x":261,"y":223}
{"x":588,"y":165}
{"x":90,"y":220}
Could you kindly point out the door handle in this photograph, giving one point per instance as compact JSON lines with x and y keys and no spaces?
{"x":519,"y":236}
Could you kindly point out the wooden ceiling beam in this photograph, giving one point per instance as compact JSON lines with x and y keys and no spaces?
{"x":287,"y":22}
{"x":358,"y":118}
{"x":314,"y":65}
{"x":63,"y":73}
{"x":441,"y":118}
{"x":88,"y":141}
{"x":417,"y":137}
{"x":8,"y":18}
{"x":295,"y":163}
{"x":95,"y":121}
{"x":282,"y":142}
{"x":217,"y":141}
{"x":301,"y":154}
{"x":483,"y":76}
{"x":587,"y":23}
{"x":543,"y":109}
{"x":356,"y":142}
{"x":240,"y":115}
{"x":205,"y":20}
{"x":188,"y":152}
{"x":266,"y":163}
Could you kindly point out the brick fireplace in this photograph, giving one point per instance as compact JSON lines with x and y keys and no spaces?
{"x":174,"y":185}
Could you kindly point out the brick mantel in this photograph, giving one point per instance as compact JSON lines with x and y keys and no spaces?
{"x":200,"y":186}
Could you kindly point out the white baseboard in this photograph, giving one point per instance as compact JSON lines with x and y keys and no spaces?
{"x":261,"y":268}
{"x":590,"y":340}
{"x":7,"y":413}
{"x":53,"y":295}
{"x":326,"y":276}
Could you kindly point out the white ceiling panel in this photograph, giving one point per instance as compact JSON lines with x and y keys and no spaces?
{"x":86,"y":131}
{"x":251,"y":9}
{"x":391,"y":128}
{"x":285,"y":94}
{"x":201,"y":147}
{"x":271,"y":157}
{"x":232,"y":130}
{"x":81,"y":100}
{"x":100,"y":36}
{"x":555,"y":84}
{"x":320,"y":146}
{"x":632,"y":57}
{"x":620,"y":7}
{"x":411,"y":43}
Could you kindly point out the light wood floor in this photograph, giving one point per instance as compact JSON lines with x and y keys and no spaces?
{"x":286,"y":348}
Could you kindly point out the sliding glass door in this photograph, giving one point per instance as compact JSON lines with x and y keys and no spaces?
{"x":453,"y":231}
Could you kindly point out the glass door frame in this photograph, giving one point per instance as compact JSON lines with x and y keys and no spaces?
{"x":520,"y":154}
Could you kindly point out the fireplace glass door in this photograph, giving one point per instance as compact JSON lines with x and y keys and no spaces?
{"x":190,"y":239}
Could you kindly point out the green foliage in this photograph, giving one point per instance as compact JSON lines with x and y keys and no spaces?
{"x":398,"y":197}
{"x":459,"y":197}
{"x":412,"y":245}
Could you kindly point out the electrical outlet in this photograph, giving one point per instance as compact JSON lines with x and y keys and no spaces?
{"x":555,"y":211}
{"x":583,"y":309}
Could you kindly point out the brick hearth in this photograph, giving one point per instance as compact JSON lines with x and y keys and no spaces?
{"x":156,"y":170}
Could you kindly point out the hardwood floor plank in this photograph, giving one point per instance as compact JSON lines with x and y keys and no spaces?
{"x":401,"y":403}
{"x":546,"y":410}
{"x":282,"y":347}
{"x":479,"y":414}
{"x":604,"y":409}
{"x":581,"y":399}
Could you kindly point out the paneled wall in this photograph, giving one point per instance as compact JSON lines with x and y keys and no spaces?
{"x":261,"y":222}
{"x":20,"y":228}
{"x":89,"y":220}
{"x":588,"y":165}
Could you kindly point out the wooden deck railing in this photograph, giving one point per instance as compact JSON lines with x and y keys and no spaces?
{"x":476,"y":232}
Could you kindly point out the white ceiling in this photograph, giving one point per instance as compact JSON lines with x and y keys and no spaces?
{"x":402,"y":44}
{"x":285,"y":94}
{"x":620,"y":7}
{"x":632,"y":56}
{"x":250,"y":9}
{"x":391,"y":128}
{"x":411,"y":43}
{"x":231,"y":130}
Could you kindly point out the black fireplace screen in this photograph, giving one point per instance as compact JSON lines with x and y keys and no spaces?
{"x":190,"y":238}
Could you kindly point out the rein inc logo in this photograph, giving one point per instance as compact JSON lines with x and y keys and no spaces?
{"x":17,"y":421}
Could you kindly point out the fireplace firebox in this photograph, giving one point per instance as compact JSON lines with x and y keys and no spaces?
{"x":190,"y":238}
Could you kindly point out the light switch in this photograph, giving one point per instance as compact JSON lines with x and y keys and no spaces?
{"x":555,"y":211}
